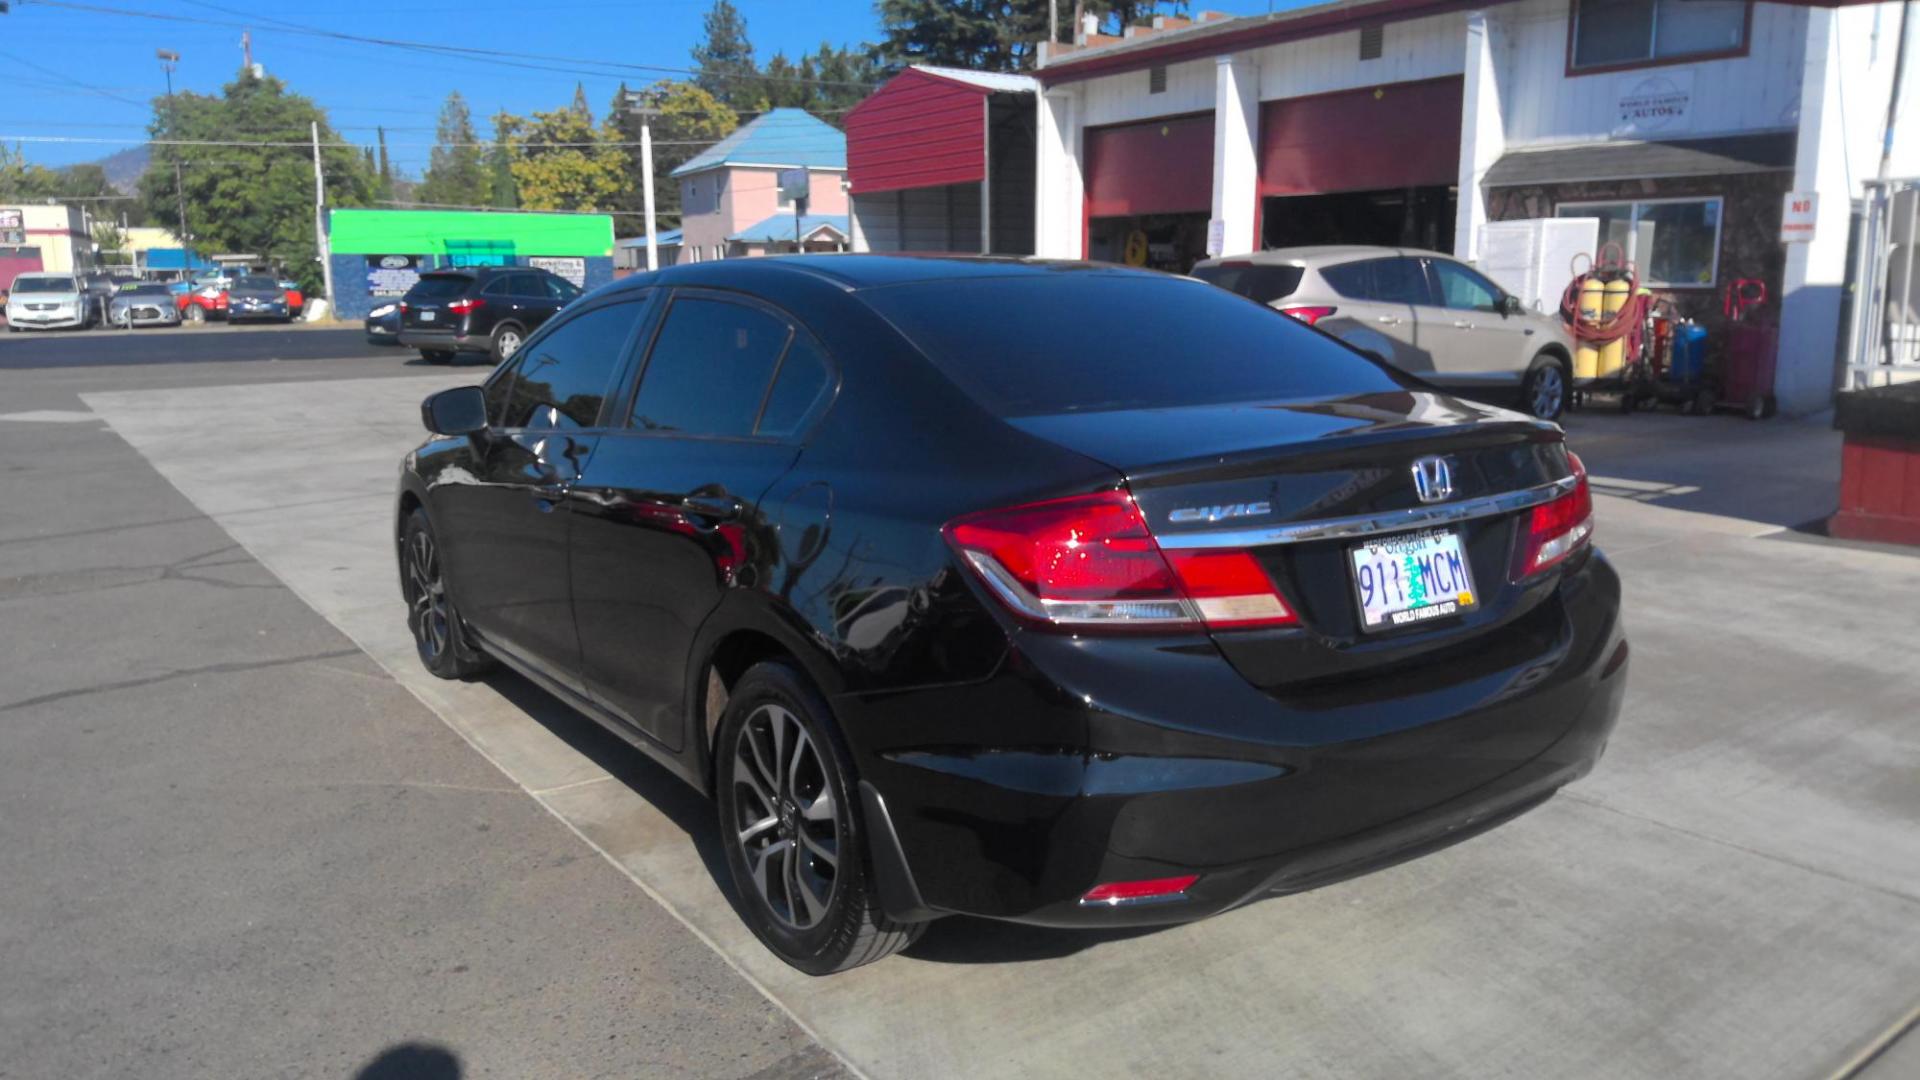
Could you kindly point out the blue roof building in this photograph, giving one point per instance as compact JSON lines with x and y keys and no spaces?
{"x":730,"y":199}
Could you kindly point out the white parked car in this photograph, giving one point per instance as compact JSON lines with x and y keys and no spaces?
{"x":1425,"y":313}
{"x":43,"y":301}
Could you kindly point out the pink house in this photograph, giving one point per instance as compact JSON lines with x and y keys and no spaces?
{"x":730,"y":202}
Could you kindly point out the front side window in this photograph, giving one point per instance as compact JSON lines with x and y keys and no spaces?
{"x":1609,"y":33}
{"x":1674,"y":243}
{"x":1463,"y":290}
{"x":563,"y":376}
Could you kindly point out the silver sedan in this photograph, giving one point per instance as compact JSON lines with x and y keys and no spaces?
{"x":143,"y":305}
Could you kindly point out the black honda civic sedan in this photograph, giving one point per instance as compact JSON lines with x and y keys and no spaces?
{"x":1059,"y":593}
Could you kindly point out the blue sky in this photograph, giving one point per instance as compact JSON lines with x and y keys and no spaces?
{"x":65,"y":72}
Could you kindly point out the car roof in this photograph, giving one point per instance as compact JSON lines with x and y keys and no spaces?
{"x":858,"y":271}
{"x":1311,"y":254}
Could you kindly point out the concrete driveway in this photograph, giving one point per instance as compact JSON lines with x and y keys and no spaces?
{"x":1734,"y":892}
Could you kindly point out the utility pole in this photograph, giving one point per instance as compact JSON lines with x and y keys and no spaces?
{"x":635,"y":101}
{"x":320,"y":220}
{"x":1053,"y":24}
{"x":1893,"y":97}
{"x":167,"y":60}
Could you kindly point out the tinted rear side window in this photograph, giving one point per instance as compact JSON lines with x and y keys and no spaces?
{"x":1264,"y":284}
{"x":803,"y":378}
{"x":1088,"y":342}
{"x":1397,"y":280}
{"x":440,"y":286}
{"x":709,"y":368}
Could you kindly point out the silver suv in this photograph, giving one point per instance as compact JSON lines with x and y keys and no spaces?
{"x":1423,"y":312}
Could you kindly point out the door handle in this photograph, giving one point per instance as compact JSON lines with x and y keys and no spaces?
{"x":1387,"y":320}
{"x":1462,"y":324}
{"x":713,"y":508}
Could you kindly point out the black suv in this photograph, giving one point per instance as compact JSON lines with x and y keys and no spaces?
{"x":479,"y":309}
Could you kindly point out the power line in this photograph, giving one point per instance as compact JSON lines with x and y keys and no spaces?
{"x":498,"y":56}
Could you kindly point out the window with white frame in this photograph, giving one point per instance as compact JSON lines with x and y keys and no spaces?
{"x":1614,"y":32}
{"x":1673,"y":243}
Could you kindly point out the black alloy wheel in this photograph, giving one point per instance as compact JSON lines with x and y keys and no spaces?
{"x":792,"y":831}
{"x":437,"y":634}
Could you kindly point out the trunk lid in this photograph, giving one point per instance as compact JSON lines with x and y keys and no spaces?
{"x":1299,"y":484}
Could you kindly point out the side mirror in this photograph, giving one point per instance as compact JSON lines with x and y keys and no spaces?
{"x":1511,"y":305}
{"x":459,"y":411}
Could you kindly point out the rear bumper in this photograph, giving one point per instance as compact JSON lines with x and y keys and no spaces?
{"x":1183,"y":767}
{"x":449,"y":340}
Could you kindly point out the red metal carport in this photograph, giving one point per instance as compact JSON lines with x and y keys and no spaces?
{"x":940,"y":159}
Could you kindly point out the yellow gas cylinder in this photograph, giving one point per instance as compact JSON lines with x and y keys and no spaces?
{"x":1586,"y":358}
{"x":1613,"y":355}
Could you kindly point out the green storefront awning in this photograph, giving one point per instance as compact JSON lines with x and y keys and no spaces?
{"x":430,"y":232}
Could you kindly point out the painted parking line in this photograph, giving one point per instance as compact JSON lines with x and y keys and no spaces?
{"x":1625,"y":932}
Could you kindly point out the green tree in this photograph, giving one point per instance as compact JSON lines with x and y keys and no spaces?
{"x":560,"y":163}
{"x":724,"y":58}
{"x":23,"y":181}
{"x":991,"y":35}
{"x":688,"y":115}
{"x":254,"y":198}
{"x":501,"y":189}
{"x":457,"y":168}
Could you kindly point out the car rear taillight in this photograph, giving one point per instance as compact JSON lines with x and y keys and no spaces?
{"x":1088,"y":562}
{"x":403,"y":307}
{"x":1555,"y":530}
{"x":462,"y":307}
{"x":1307,"y":313}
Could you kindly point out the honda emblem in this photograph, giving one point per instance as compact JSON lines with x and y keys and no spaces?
{"x":1433,"y":479}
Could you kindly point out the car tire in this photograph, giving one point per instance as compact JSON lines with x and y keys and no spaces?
{"x":791,"y":826}
{"x":195,"y":314}
{"x":436,"y":356}
{"x":506,"y":340}
{"x":439,"y":636}
{"x":1543,"y":394}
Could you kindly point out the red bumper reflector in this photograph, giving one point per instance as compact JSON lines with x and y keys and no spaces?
{"x":1121,"y":892}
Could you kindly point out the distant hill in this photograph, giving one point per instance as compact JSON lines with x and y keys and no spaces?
{"x":125,"y":168}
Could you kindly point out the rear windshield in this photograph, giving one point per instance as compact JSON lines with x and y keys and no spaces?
{"x":44,"y":284}
{"x":256,"y":283}
{"x":1091,"y":342}
{"x":439,"y":286}
{"x":1262,"y":283}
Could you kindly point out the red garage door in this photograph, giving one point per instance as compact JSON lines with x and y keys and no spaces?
{"x":1156,"y":167}
{"x":1396,"y":136}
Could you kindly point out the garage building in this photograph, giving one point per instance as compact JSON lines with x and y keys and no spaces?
{"x":1682,"y":125}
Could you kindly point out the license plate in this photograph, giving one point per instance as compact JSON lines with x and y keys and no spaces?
{"x":428,"y":316}
{"x":1410,"y":578}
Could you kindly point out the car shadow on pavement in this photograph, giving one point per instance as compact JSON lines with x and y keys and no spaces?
{"x":412,"y":1061}
{"x":956,"y":939}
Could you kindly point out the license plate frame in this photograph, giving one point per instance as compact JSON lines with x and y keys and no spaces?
{"x":1455,"y":571}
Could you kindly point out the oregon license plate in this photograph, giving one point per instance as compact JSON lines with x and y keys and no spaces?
{"x":1410,"y":578}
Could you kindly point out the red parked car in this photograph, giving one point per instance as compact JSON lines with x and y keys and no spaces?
{"x":205,"y":302}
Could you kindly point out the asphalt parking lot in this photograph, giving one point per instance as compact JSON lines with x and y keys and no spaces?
{"x":244,"y":834}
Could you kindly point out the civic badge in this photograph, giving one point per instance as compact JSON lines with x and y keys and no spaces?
{"x":1433,"y":479}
